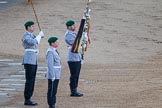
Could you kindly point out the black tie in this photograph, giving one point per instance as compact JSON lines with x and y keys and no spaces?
{"x":57,"y":52}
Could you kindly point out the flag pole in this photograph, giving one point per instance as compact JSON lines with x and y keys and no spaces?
{"x":30,"y":1}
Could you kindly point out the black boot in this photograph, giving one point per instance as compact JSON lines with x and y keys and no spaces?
{"x":30,"y":103}
{"x":74,"y":93}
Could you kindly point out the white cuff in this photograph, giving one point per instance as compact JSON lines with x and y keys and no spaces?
{"x":38,"y":38}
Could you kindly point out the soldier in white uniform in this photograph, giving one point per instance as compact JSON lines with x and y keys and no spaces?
{"x":53,"y":70}
{"x":30,"y":43}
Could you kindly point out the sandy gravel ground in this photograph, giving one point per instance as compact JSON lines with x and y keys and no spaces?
{"x":122,"y":67}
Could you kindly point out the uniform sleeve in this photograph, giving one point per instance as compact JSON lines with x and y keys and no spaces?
{"x":50,"y":63}
{"x":28,"y":39}
{"x":69,"y":39}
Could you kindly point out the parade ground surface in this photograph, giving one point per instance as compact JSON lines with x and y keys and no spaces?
{"x":122,"y":66}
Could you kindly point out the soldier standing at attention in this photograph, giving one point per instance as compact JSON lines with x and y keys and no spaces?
{"x":30,"y":43}
{"x":53,"y":71}
{"x":73,"y":59}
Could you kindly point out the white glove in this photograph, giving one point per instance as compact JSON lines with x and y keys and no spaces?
{"x":86,"y":25}
{"x":41,"y":34}
{"x":85,"y":37}
{"x":87,"y":15}
{"x":84,"y":17}
{"x":84,"y":45}
{"x":53,"y":79}
{"x":38,"y":38}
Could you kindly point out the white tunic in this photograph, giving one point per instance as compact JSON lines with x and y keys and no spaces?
{"x":53,"y":64}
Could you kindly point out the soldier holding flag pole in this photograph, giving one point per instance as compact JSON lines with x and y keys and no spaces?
{"x":30,"y":59}
{"x":30,"y":43}
{"x":76,"y":44}
{"x":74,"y":59}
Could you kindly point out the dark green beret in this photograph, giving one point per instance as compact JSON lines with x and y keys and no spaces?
{"x":52,"y":39}
{"x":29,"y":23}
{"x":70,"y":23}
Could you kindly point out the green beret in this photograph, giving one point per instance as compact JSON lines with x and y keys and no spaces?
{"x":70,"y":23}
{"x":52,"y":39}
{"x":29,"y":23}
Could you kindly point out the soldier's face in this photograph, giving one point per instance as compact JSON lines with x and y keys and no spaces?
{"x":55,"y":44}
{"x":31,"y":28}
{"x":72,"y":27}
